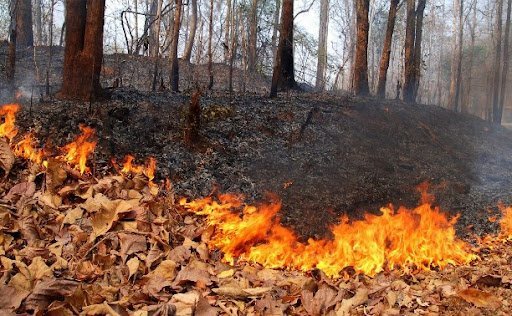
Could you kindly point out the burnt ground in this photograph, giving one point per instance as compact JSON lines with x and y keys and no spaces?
{"x":323,"y":155}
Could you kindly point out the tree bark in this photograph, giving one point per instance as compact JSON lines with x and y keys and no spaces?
{"x":417,"y":47}
{"x":506,"y":61}
{"x":275,"y":29}
{"x":283,"y":76}
{"x":467,"y":101}
{"x":456,"y":69}
{"x":253,"y":37}
{"x":210,"y":52}
{"x":497,"y":63}
{"x":83,"y":53}
{"x":410,"y":32}
{"x":24,"y":33}
{"x":38,"y":22}
{"x":153,"y":30}
{"x":227,"y":34}
{"x":175,"y":74}
{"x":361,"y":59}
{"x":386,"y":50}
{"x":192,"y":35}
{"x":10,"y":68}
{"x":155,"y":53}
{"x":322,"y":45}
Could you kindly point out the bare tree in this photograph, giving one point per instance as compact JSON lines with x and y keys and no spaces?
{"x":322,"y":45}
{"x":412,"y":56}
{"x":24,"y":33}
{"x":253,"y":36}
{"x":210,"y":52}
{"x":83,"y":54}
{"x":38,"y":22}
{"x":456,"y":68}
{"x":361,"y":60}
{"x":496,"y":117}
{"x":386,"y":50}
{"x":10,"y":68}
{"x":506,"y":62}
{"x":191,"y":37}
{"x":174,"y":71}
{"x":283,"y":76}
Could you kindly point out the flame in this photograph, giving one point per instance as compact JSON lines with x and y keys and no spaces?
{"x":77,"y":152}
{"x":506,"y":222}
{"x":417,"y":239}
{"x":148,"y":169}
{"x":8,"y":128}
{"x":27,"y":149}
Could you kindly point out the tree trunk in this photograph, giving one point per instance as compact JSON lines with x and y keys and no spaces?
{"x":322,"y":45}
{"x":192,"y":35}
{"x":456,"y":67}
{"x":275,"y":29}
{"x":283,"y":76}
{"x":38,"y":21}
{"x":386,"y":50}
{"x":10,"y":68}
{"x":153,"y":30}
{"x":83,"y":54}
{"x":467,"y":95}
{"x":410,"y":31}
{"x":506,"y":60}
{"x":24,"y":33}
{"x":253,"y":37}
{"x":175,"y":74}
{"x":417,"y":47}
{"x":227,"y":34}
{"x":497,"y":63}
{"x":361,"y":60}
{"x":233,"y":45}
{"x":210,"y":52}
{"x":156,"y":45}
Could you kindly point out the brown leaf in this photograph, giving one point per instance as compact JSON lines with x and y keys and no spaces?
{"x":161,"y":277}
{"x":203,"y":308}
{"x":86,"y":270}
{"x":6,"y":156}
{"x":133,"y":266}
{"x":321,"y":301}
{"x":99,"y":309}
{"x":195,"y":271}
{"x":479,"y":298}
{"x":24,"y":188}
{"x":358,"y":299}
{"x":47,"y":291}
{"x":489,"y":280}
{"x":55,"y":175}
{"x":11,"y":298}
{"x":131,"y":243}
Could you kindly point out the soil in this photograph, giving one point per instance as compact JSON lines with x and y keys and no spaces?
{"x":323,"y":154}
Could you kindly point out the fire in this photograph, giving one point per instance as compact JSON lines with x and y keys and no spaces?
{"x":506,"y":222}
{"x":417,"y":239}
{"x":148,"y":169}
{"x":8,"y":128}
{"x":77,"y":152}
{"x":27,"y":149}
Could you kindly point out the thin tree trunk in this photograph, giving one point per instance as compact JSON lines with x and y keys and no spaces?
{"x":467,"y":95}
{"x":410,"y":32}
{"x":84,"y":49}
{"x":38,"y":21}
{"x":227,"y":35}
{"x":175,"y":75}
{"x":11,"y":52}
{"x":136,"y":17}
{"x":24,"y":33}
{"x":497,"y":63}
{"x":192,"y":35}
{"x":386,"y":50}
{"x":156,"y":45}
{"x":506,"y":60}
{"x":253,"y":37}
{"x":458,"y":28}
{"x":283,"y":75}
{"x":275,"y":30}
{"x":361,"y":61}
{"x":322,"y":45}
{"x":210,"y":52}
{"x":233,"y":43}
{"x":417,"y":47}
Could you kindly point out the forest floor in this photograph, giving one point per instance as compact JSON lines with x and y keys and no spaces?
{"x":323,"y":155}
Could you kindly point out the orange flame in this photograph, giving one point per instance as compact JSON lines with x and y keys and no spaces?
{"x":417,"y":239}
{"x":27,"y":149}
{"x":77,"y":152}
{"x":506,"y":222}
{"x":8,"y":128}
{"x":131,"y":168}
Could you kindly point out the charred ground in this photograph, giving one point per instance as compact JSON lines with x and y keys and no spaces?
{"x":322,"y":155}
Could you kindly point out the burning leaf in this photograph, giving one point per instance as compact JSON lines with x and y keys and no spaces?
{"x":77,"y":152}
{"x":27,"y":149}
{"x":506,"y":222}
{"x":479,"y":298}
{"x":6,"y":156}
{"x":8,"y":128}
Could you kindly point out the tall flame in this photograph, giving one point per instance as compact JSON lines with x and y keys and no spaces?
{"x":27,"y":149}
{"x":417,"y":239}
{"x":8,"y":113}
{"x":506,"y":222}
{"x":148,"y":169}
{"x":77,"y":152}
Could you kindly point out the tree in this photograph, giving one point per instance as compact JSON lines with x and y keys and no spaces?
{"x":210,"y":52}
{"x":10,"y":68}
{"x":253,"y":36}
{"x":412,"y":56}
{"x":174,"y":71}
{"x":497,"y":62}
{"x":83,"y":54}
{"x":417,"y":61}
{"x":283,"y":76}
{"x":386,"y":50}
{"x":191,"y":38}
{"x":38,"y":22}
{"x":360,"y":83}
{"x":322,"y":45}
{"x":24,"y":33}
{"x":506,"y":62}
{"x":456,"y":68}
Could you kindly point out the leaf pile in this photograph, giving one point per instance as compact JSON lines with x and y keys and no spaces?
{"x":113,"y":246}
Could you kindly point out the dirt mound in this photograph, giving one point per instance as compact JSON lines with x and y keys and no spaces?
{"x":324,"y":156}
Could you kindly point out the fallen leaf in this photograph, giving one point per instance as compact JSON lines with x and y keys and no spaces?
{"x":359,"y":298}
{"x":131,"y":243}
{"x":73,"y":215}
{"x":99,"y":309}
{"x":24,"y":188}
{"x":55,"y":175}
{"x":11,"y":297}
{"x":479,"y":298}
{"x":6,"y":156}
{"x":194,"y":271}
{"x":489,"y":280}
{"x":133,"y":266}
{"x":47,"y":291}
{"x":38,"y":269}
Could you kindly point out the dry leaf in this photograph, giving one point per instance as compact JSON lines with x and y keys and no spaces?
{"x":11,"y":297}
{"x":131,"y":243}
{"x":161,"y":277}
{"x":479,"y":298}
{"x":24,"y":188}
{"x":99,"y":309}
{"x":321,"y":301}
{"x":38,"y":269}
{"x":72,"y":216}
{"x":6,"y":156}
{"x":346,"y":305}
{"x":133,"y":266}
{"x":55,"y":175}
{"x":46,"y":292}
